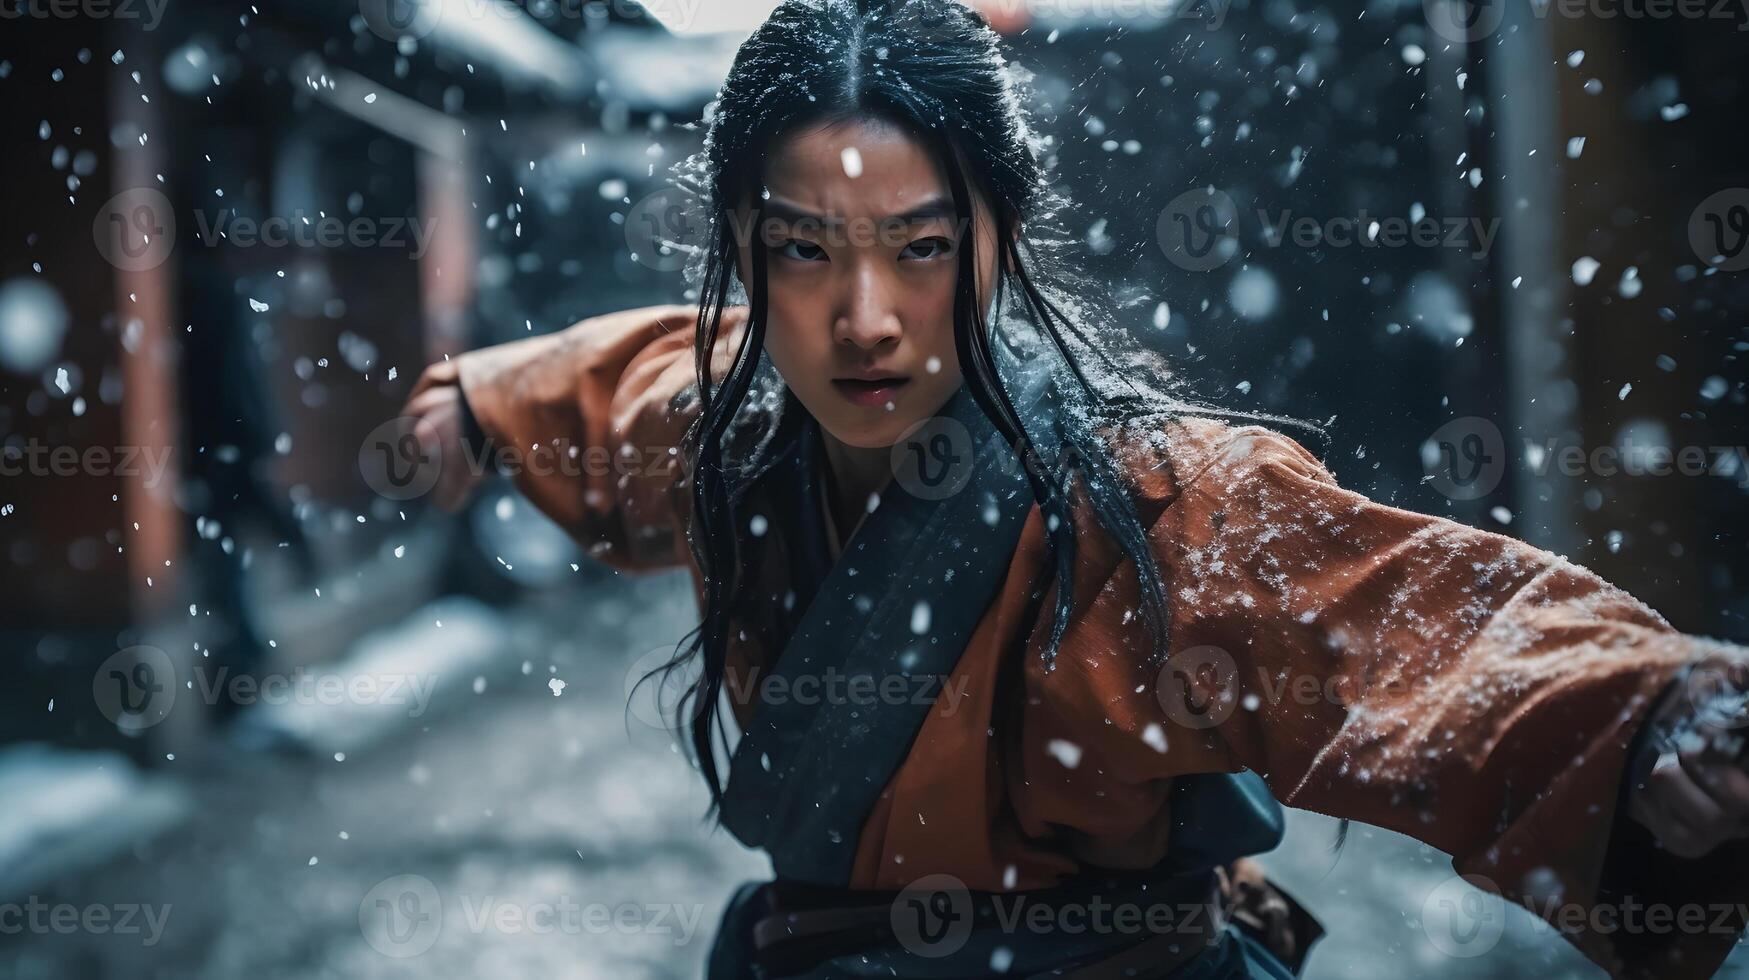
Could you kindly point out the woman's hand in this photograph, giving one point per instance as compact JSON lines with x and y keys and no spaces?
{"x":1696,"y":796}
{"x":436,"y":408}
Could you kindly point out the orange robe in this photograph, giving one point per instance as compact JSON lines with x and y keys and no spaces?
{"x":1453,"y":685}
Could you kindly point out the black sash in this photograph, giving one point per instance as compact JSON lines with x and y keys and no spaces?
{"x":884,"y":629}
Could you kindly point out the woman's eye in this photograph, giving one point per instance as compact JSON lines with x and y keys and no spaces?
{"x":801,"y":251}
{"x":928,"y":248}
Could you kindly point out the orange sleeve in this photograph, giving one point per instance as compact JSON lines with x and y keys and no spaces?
{"x":1454,"y":685}
{"x":588,"y":421}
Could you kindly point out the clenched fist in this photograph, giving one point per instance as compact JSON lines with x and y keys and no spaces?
{"x":439,"y":424}
{"x":1696,"y":796}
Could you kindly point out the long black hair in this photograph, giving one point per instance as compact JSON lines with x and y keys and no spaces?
{"x":935,"y":69}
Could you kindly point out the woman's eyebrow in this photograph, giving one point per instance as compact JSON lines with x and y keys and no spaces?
{"x":930,"y":209}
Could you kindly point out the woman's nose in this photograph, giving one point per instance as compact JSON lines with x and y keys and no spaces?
{"x":868,"y":331}
{"x":870,"y":316}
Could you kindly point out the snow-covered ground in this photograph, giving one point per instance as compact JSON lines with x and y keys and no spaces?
{"x":514,"y":832}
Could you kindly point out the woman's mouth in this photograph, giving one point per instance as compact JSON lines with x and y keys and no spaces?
{"x":872,"y":393}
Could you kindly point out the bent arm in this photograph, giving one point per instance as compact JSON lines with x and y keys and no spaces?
{"x":588,"y":422}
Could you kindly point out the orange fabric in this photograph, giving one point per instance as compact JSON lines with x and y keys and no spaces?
{"x":592,"y":417}
{"x":1454,"y":685}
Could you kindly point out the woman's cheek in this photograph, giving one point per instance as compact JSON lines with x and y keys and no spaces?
{"x":805,"y":370}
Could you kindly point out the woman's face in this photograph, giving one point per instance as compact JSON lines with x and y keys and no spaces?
{"x":862,"y":254}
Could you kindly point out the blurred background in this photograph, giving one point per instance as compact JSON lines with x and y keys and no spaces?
{"x":262,"y":717}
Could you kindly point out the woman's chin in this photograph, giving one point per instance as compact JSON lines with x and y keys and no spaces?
{"x":878,"y":433}
{"x":881,"y":426}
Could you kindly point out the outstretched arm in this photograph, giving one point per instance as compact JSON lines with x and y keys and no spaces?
{"x":1465,"y":689}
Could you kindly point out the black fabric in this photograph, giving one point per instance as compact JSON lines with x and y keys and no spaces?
{"x":731,"y":956}
{"x":1218,"y":817}
{"x":959,"y":932}
{"x":808,"y":770}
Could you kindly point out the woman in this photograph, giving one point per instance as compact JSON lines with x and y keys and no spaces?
{"x":1004,"y":626}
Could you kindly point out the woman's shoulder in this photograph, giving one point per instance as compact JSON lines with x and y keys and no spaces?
{"x":1164,"y":453}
